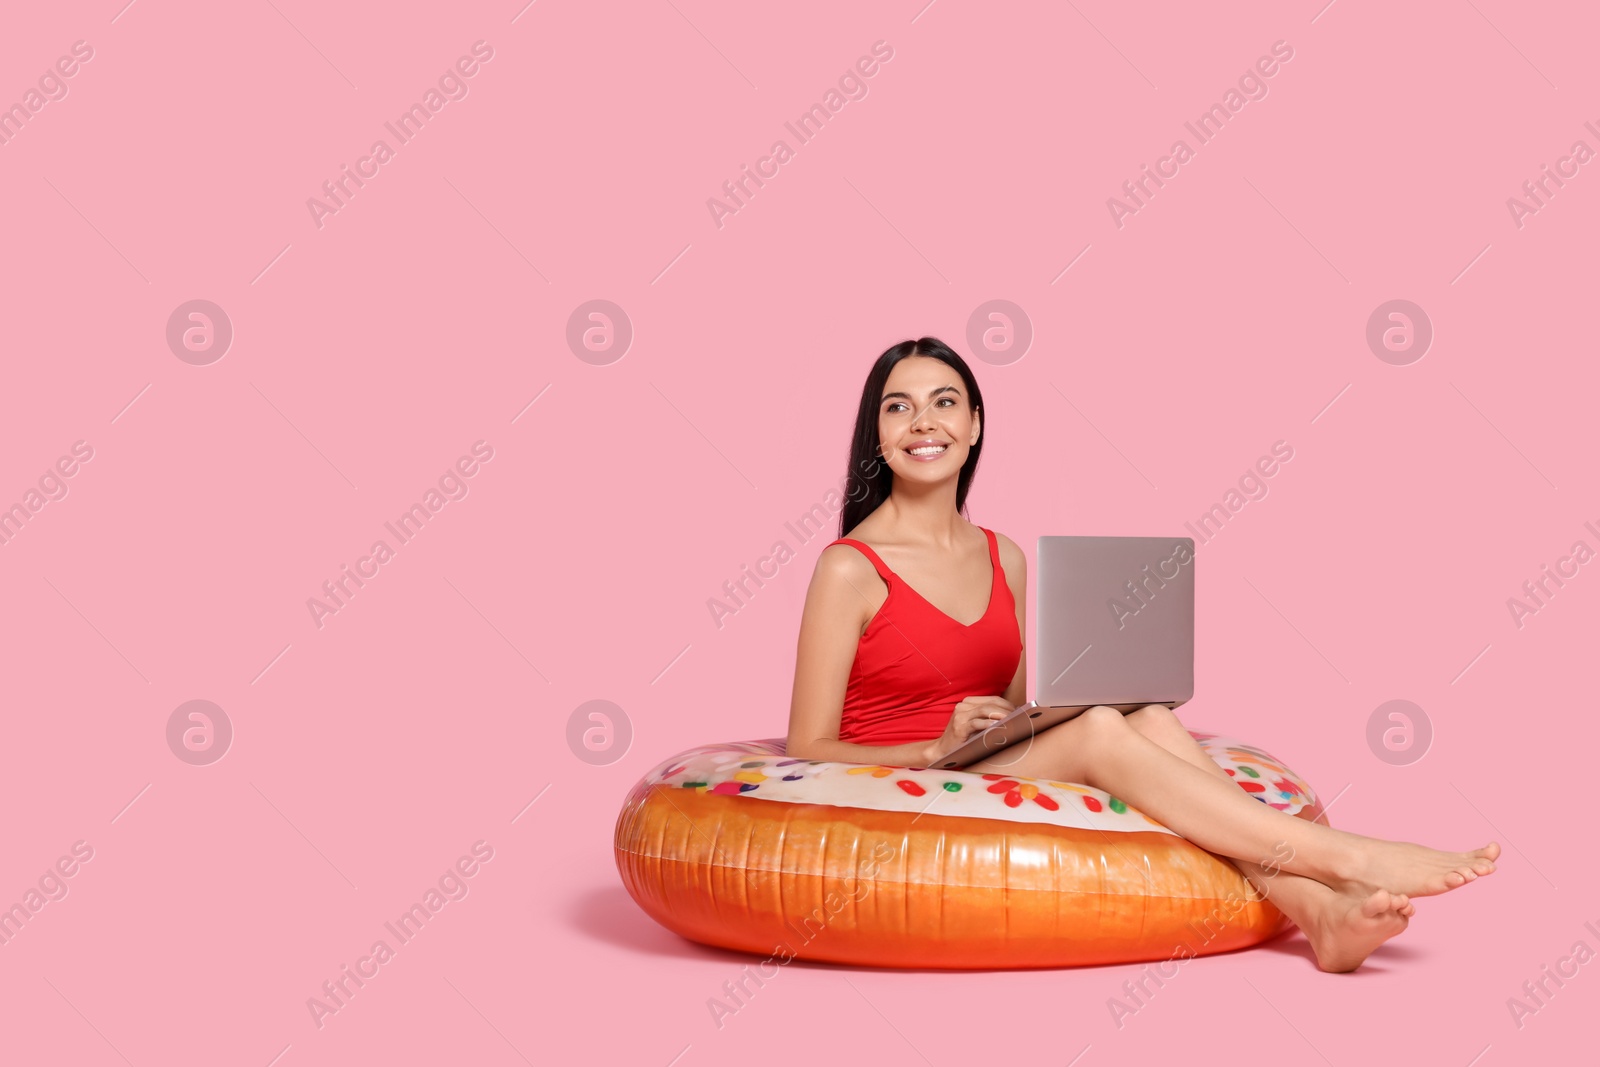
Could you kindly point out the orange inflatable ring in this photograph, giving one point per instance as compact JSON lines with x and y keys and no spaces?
{"x":737,"y":846}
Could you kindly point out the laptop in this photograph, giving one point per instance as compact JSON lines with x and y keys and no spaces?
{"x":1116,"y":627}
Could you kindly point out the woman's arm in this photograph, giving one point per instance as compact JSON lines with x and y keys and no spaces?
{"x":911,"y":754}
{"x":1016,"y":568}
{"x":830,"y":631}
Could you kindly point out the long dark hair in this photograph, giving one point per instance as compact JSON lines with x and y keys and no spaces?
{"x":869,"y":479}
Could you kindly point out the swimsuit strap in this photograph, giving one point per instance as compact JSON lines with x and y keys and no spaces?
{"x":883,"y":569}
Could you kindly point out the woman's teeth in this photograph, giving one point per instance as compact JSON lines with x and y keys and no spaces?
{"x":928,"y":450}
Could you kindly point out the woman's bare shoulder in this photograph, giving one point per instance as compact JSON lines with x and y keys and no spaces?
{"x":1009,"y":550}
{"x":1012,"y":561}
{"x":836,"y":598}
{"x":841,"y":565}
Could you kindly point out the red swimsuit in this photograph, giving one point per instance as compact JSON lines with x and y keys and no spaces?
{"x":915,"y":663}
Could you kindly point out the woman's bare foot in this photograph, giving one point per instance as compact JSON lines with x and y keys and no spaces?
{"x":1343,"y":930}
{"x":1414,"y":870}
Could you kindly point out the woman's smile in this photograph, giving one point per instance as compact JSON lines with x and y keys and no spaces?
{"x":926,"y":450}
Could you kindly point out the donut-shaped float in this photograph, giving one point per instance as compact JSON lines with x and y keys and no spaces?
{"x":737,"y":846}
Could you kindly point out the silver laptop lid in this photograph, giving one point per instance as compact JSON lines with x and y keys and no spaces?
{"x":1116,"y":621}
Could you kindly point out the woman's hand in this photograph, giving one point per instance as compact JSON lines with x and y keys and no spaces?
{"x":969,"y":716}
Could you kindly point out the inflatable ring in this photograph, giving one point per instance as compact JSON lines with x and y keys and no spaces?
{"x":736,"y":846}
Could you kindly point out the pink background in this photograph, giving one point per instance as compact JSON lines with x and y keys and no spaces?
{"x":368,"y":354}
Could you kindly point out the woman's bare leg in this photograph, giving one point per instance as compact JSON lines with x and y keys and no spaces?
{"x":1161,"y":725}
{"x":1100,"y":748}
{"x":1342,"y":930}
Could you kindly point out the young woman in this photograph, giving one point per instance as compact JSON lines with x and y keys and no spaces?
{"x":911,"y":640}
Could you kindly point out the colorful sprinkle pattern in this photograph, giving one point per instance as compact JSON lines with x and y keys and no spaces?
{"x":759,"y":771}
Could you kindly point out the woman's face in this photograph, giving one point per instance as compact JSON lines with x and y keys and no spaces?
{"x":925,"y":405}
